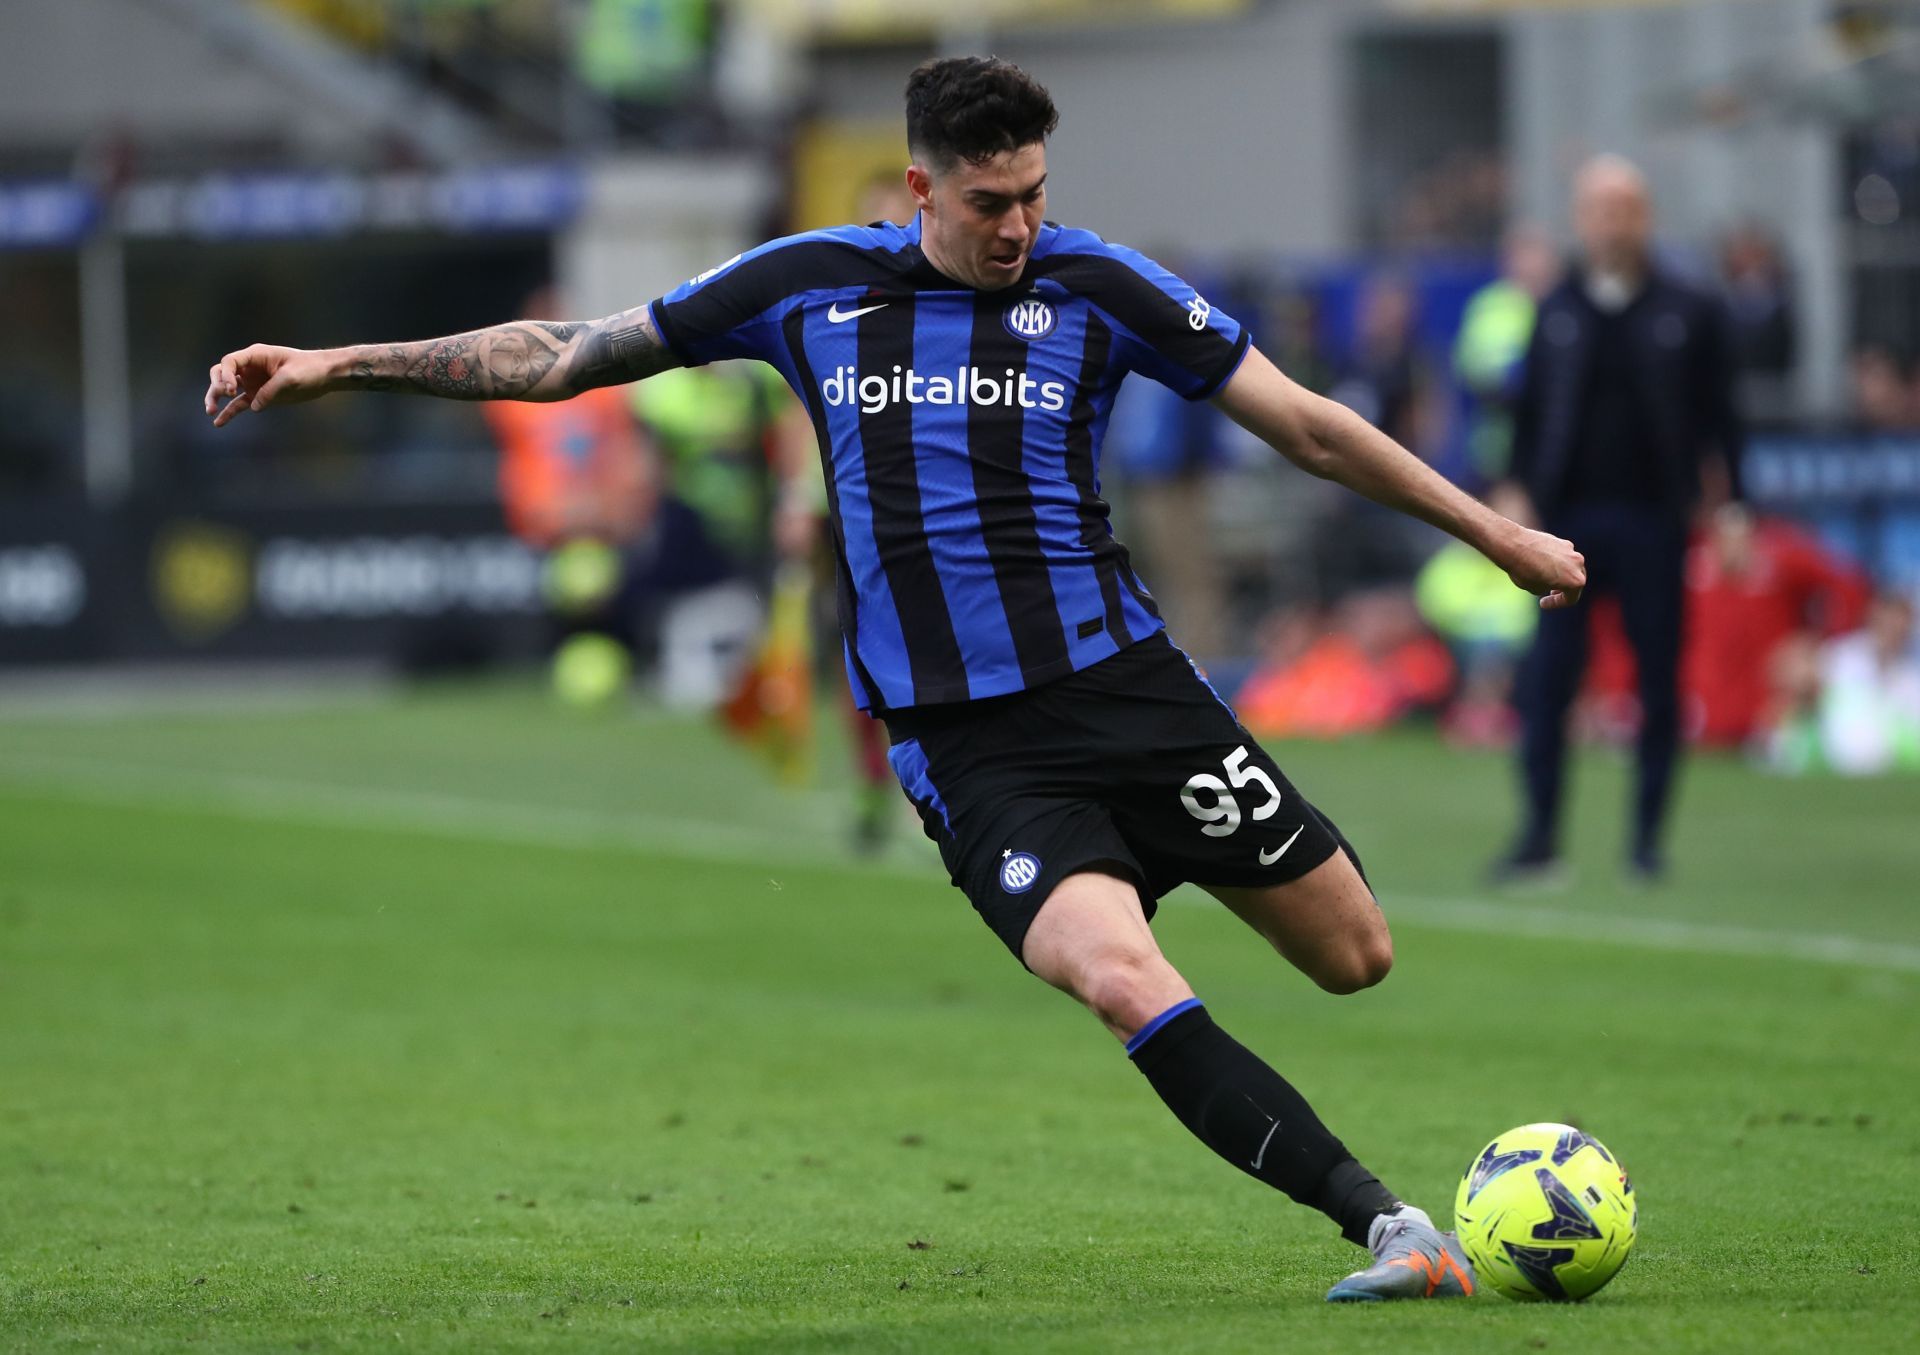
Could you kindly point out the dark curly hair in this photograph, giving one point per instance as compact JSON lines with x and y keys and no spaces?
{"x":974,"y":107}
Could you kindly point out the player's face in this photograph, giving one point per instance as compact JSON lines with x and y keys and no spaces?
{"x":978,"y":222}
{"x":1614,"y":218}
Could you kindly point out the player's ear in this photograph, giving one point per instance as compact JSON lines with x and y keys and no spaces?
{"x":920,"y":184}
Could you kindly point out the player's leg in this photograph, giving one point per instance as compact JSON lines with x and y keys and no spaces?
{"x":1091,"y":939}
{"x":1326,"y":923}
{"x":1652,"y":600}
{"x":1545,"y":687}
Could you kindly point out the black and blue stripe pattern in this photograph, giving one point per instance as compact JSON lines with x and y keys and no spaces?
{"x":961,"y":432}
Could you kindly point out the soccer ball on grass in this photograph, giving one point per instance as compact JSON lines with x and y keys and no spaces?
{"x":1546,"y":1212}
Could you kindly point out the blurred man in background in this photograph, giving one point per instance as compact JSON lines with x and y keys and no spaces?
{"x":1625,"y":420}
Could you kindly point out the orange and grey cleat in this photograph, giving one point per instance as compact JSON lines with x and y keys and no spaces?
{"x":1412,"y":1260}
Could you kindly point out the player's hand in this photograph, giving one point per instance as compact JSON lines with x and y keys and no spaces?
{"x":262,"y":375}
{"x":1547,"y":566}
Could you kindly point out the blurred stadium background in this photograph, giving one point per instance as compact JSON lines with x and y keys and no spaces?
{"x":302,"y":841}
{"x":180,"y":177}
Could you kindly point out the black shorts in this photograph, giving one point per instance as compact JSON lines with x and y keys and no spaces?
{"x":1133,"y":766}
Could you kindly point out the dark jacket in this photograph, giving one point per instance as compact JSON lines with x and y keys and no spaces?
{"x":1684,"y":360}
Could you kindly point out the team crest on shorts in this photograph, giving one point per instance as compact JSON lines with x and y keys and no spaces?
{"x":1030,"y":318}
{"x":1018,"y":872}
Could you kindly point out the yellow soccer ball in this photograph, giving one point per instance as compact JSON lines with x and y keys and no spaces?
{"x":591,"y":670}
{"x":1546,"y":1212}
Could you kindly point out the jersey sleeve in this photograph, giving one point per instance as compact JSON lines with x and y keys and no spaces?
{"x":1166,"y":329}
{"x":732,"y":310}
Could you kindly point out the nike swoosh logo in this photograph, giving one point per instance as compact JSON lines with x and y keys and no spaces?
{"x":1267,"y":859}
{"x":1272,"y":1129}
{"x":839,"y":317}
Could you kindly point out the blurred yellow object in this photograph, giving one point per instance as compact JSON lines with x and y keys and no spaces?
{"x":772,"y":707}
{"x":833,"y":162}
{"x":202,"y":578}
{"x":1468,"y":599}
{"x":876,"y":20}
{"x":591,"y":670}
{"x":580,"y":577}
{"x":358,"y":24}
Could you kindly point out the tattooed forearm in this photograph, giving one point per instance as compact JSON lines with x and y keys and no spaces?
{"x":623,"y":347}
{"x":526,"y":360}
{"x":507,"y":362}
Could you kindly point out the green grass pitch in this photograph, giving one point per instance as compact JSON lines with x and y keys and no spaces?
{"x":449,"y":1021}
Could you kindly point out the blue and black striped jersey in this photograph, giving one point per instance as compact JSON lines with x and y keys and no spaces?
{"x":961,"y":434}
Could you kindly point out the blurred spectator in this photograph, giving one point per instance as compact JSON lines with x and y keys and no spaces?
{"x":1790,"y":740}
{"x":1852,"y":705}
{"x":1460,"y":203}
{"x":1884,"y":400}
{"x":1625,"y":411}
{"x":1492,"y":344}
{"x":1169,"y":449}
{"x":1387,"y":382}
{"x":649,"y":59}
{"x":1291,"y":337}
{"x":1753,"y":585}
{"x":715,"y":428}
{"x":885,"y":197}
{"x":1375,"y":664}
{"x":1870,"y":694}
{"x":1760,"y":302}
{"x":645,"y":50}
{"x":574,"y":469}
{"x":1486,"y":622}
{"x":580,"y":482}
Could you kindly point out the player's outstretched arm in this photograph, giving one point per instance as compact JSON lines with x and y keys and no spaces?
{"x":1331,"y":441}
{"x":523,"y":360}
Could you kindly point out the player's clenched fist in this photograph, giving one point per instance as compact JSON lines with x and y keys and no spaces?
{"x":262,"y":375}
{"x":1547,"y":566}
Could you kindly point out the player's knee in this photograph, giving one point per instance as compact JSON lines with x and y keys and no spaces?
{"x":1126,"y":988}
{"x":1359,"y":965}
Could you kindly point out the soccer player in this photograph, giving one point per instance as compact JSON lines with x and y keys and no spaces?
{"x":1068,"y":759}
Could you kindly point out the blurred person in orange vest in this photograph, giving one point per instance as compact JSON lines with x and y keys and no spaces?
{"x":575,"y":469}
{"x":1376,"y":664}
{"x":580,"y":481}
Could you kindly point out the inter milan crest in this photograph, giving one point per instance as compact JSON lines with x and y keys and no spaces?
{"x":1030,"y":318}
{"x":1018,"y":871}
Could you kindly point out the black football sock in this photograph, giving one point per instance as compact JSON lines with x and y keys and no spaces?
{"x":1251,"y":1116}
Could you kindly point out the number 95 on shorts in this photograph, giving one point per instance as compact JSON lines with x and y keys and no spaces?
{"x":1133,"y":766}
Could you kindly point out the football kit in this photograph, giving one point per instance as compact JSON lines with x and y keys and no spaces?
{"x":1041,"y":721}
